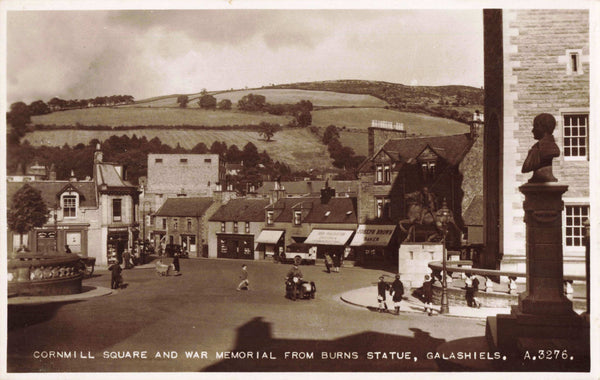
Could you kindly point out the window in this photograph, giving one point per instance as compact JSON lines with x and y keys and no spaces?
{"x":573,"y":59}
{"x":379,"y":174}
{"x":428,"y":169}
{"x":574,"y":228}
{"x":222,"y":226}
{"x":189,"y":224}
{"x":175,"y":223}
{"x":235,"y":227}
{"x":387,"y":174}
{"x":382,"y":207}
{"x":297,"y":217}
{"x":269,"y":217}
{"x":164,"y":223}
{"x":158,"y":160}
{"x":575,"y":135}
{"x":247,"y":228}
{"x":116,"y":203}
{"x":207,"y":160}
{"x":183,"y":160}
{"x":69,"y":206}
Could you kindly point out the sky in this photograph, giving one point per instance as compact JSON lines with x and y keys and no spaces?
{"x":82,"y":54}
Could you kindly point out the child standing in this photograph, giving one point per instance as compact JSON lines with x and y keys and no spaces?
{"x":381,"y":289}
{"x":244,"y":277}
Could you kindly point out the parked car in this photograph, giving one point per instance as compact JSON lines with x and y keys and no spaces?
{"x":301,"y":253}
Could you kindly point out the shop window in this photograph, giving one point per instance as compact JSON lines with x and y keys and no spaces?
{"x":297,"y":217}
{"x":247,"y":228}
{"x":18,"y":238}
{"x":69,"y":205}
{"x":574,"y":229}
{"x":117,"y":211}
{"x":222,"y":226}
{"x":269,"y":217}
{"x":235,"y":227}
{"x":575,"y":136}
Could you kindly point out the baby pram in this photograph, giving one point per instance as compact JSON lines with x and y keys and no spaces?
{"x":163,"y":269}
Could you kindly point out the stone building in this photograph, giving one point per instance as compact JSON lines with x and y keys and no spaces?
{"x":536,"y":61}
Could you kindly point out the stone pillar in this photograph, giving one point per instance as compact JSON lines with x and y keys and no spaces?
{"x":545,"y":288}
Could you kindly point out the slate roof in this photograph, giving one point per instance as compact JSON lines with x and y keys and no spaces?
{"x":473,"y":215}
{"x":106,"y":174}
{"x":341,"y":210}
{"x":241,"y":209}
{"x":193,"y":206}
{"x":452,"y":148}
{"x":51,"y":190}
{"x":310,"y":187}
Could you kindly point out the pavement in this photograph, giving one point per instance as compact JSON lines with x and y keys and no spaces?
{"x":367,"y":298}
{"x":87,"y":293}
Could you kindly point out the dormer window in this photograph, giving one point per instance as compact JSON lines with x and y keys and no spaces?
{"x":383,"y":174}
{"x":297,"y":217}
{"x":379,"y":174}
{"x":69,"y":206}
{"x":428,"y":169}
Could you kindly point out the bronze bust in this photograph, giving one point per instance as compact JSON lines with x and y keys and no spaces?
{"x":539,"y":158}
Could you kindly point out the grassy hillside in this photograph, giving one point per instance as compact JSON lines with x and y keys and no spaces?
{"x":291,"y":96}
{"x":154,"y":116}
{"x":298,"y":148}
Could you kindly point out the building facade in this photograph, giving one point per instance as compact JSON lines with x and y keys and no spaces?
{"x":537,"y":61}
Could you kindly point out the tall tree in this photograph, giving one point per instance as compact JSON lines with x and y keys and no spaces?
{"x":331,"y":132}
{"x":27,"y":211}
{"x":224,"y":104}
{"x":207,"y":102}
{"x":182,"y":100}
{"x":267,"y":130}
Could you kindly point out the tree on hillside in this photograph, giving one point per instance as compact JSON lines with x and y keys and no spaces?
{"x":331,"y":132}
{"x":267,"y":130}
{"x":224,"y":104}
{"x":252,"y":102}
{"x":207,"y":102}
{"x":28,"y":211}
{"x":39,"y":108}
{"x":304,"y":119}
{"x":182,"y":100}
{"x":18,"y":118}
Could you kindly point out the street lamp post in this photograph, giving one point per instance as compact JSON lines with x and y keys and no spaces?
{"x":443,"y":217}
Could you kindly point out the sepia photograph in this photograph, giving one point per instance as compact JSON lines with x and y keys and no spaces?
{"x":257,"y":188}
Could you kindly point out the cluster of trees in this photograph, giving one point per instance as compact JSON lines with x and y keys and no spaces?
{"x":57,"y":104}
{"x":300,"y":111}
{"x":206,"y":101}
{"x":343,"y":157}
{"x":133,"y":153}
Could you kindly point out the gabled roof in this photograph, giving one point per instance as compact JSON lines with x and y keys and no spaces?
{"x":107,"y":175}
{"x":193,"y":206}
{"x":241,"y":209}
{"x":451,"y":148}
{"x":312,"y":187}
{"x":337,"y":210}
{"x":473,"y":215}
{"x":51,"y":191}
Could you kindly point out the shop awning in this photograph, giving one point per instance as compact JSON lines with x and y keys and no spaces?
{"x":328,"y":237}
{"x":372,"y":235}
{"x":269,"y":236}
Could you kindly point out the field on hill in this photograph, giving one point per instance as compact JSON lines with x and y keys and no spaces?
{"x":297,"y":148}
{"x":317,"y":98}
{"x":361,"y":118}
{"x":155,"y":116}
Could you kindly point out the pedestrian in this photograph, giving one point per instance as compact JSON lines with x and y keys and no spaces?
{"x":397,"y":291}
{"x":244,"y":277}
{"x":176,"y":262}
{"x":127,"y":259}
{"x":427,"y":294}
{"x":328,"y":262}
{"x":382,"y":287}
{"x":115,"y":275}
{"x":336,"y":262}
{"x":471,"y":287}
{"x":67,"y":249}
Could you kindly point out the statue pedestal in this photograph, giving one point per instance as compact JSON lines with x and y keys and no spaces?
{"x":544,"y":317}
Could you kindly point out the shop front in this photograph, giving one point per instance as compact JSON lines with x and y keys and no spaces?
{"x":49,"y":239}
{"x":375,"y":244}
{"x":118,"y":242}
{"x":271,"y":242}
{"x":235,"y":246}
{"x":329,"y":241}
